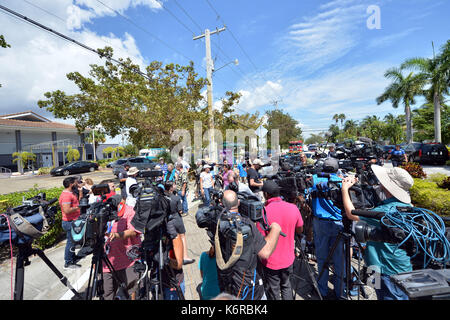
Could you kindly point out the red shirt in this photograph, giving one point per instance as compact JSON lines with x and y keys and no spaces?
{"x":118,"y":248}
{"x":289,"y":218}
{"x":68,"y":197}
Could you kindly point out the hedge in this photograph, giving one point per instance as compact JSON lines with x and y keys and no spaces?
{"x":55,"y":232}
{"x":427,"y":194}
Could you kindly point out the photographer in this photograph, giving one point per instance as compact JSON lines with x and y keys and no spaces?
{"x":386,"y":257}
{"x":122,"y":237}
{"x":206,"y":185}
{"x":242,"y":279}
{"x":277,"y":269}
{"x":254,"y":178}
{"x":123,"y":175}
{"x":70,"y":210}
{"x":236,"y":186}
{"x":131,"y":180}
{"x":327,"y":224}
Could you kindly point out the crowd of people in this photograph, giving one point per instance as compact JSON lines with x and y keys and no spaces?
{"x":264,"y":268}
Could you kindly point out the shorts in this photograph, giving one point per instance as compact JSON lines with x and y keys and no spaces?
{"x":179,"y":224}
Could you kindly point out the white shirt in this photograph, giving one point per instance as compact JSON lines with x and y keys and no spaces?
{"x":207,"y":180}
{"x":130,"y":200}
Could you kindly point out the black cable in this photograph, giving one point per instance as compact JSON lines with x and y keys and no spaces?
{"x":39,"y":25}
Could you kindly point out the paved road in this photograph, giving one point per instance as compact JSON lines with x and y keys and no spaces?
{"x":24,"y":183}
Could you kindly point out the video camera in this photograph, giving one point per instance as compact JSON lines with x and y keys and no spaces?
{"x":420,"y":232}
{"x":28,"y":221}
{"x":91,"y":225}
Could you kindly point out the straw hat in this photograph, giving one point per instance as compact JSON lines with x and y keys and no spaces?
{"x":396,"y":180}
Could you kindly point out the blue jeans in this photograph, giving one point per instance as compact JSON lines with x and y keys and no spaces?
{"x":325,"y":233}
{"x":69,"y":255}
{"x":389,"y":290}
{"x":171,"y":294}
{"x":207,"y":200}
{"x":185,"y":201}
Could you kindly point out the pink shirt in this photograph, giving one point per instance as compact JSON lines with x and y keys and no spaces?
{"x":289,"y":218}
{"x":118,"y":248}
{"x":70,"y":198}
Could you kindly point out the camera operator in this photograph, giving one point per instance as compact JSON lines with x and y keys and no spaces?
{"x":242,"y":279}
{"x":386,"y":257}
{"x":331,"y":152}
{"x":176,"y":211}
{"x":327,"y":224}
{"x":254,"y":178}
{"x":122,"y":237}
{"x":236,"y":186}
{"x":123,"y":175}
{"x":70,"y":210}
{"x":172,"y":273}
{"x":277,"y":269}
{"x":131,"y":180}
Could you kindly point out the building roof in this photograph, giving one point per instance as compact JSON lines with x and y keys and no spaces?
{"x":29,"y":119}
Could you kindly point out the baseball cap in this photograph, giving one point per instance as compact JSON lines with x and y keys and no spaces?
{"x":271,"y":187}
{"x":330,"y":165}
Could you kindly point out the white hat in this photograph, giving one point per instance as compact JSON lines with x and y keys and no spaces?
{"x":258,"y":161}
{"x":396,"y":180}
{"x":133,"y":171}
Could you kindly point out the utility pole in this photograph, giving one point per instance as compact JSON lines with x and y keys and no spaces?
{"x":209,"y":95}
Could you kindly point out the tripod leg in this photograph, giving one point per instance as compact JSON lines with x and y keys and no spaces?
{"x":60,"y":276}
{"x":20,"y":273}
{"x":311,"y":274}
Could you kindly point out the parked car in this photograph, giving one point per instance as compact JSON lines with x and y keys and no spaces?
{"x":142,"y":163}
{"x":74,"y":167}
{"x":116,"y":163}
{"x":427,"y":153}
{"x":312,"y":147}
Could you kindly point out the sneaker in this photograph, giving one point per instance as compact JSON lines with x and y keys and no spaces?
{"x":71,"y":266}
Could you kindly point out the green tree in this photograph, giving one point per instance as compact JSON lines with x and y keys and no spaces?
{"x":131,"y":150}
{"x":72,"y":154}
{"x":423,"y":118}
{"x":287,"y":126}
{"x":373,"y":127}
{"x":99,"y":137}
{"x":118,"y":97}
{"x":24,"y":157}
{"x":435,"y":71}
{"x":315,"y":139}
{"x":403,"y":89}
{"x":108,"y":151}
{"x":394,"y":128}
{"x":3,"y":44}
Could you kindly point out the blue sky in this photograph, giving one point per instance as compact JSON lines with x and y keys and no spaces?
{"x":316,"y":58}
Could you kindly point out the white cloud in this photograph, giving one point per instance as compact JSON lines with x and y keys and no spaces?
{"x":261,"y":96}
{"x":391,"y":38}
{"x":38,"y":61}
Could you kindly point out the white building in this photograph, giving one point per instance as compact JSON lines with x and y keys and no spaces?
{"x":48,"y":140}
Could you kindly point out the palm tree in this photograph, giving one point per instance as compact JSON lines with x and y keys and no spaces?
{"x":436,"y":72}
{"x":351,"y":128}
{"x":341,"y":117}
{"x":336,"y":118}
{"x":403,"y":89}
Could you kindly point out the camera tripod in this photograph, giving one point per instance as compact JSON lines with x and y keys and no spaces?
{"x":302,"y":258}
{"x":25,"y":251}
{"x":95,"y":283}
{"x":345,"y":236}
{"x":152,"y":276}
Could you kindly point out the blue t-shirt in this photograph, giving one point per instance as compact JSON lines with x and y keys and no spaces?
{"x":171,"y":177}
{"x":397,"y":154}
{"x":210,"y":284}
{"x":386,"y":257}
{"x":242,"y":171}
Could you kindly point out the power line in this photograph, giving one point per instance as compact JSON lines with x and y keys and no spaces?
{"x":242,"y":48}
{"x":187,"y":14}
{"x":67,"y":38}
{"x":145,"y":30}
{"x":176,"y":18}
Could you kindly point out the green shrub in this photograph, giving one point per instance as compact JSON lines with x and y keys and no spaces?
{"x":44,"y":170}
{"x":437,"y":177}
{"x":426,"y":194}
{"x":447,"y":163}
{"x":55,"y":233}
{"x":444,"y":184}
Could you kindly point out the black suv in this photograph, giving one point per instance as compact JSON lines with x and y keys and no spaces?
{"x":141,"y":163}
{"x":431,"y":153}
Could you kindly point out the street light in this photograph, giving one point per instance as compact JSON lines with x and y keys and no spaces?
{"x":236,"y":63}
